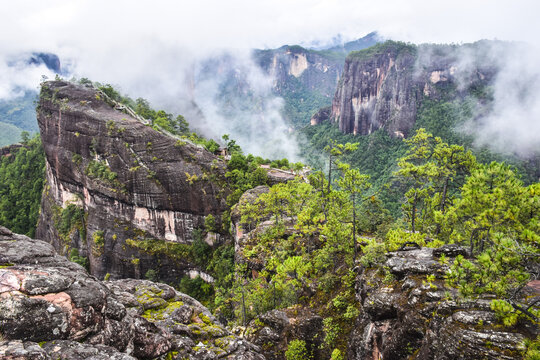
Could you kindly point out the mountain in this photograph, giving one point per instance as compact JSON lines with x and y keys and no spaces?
{"x":385,"y":85}
{"x":115,"y":186}
{"x":369,"y":40}
{"x":18,"y":114}
{"x":306,"y":78}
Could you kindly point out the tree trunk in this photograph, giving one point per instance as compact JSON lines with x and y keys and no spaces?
{"x":329,"y":174}
{"x":354,"y":229}
{"x":413,"y":213}
{"x":443,"y":199}
{"x":243,"y":308}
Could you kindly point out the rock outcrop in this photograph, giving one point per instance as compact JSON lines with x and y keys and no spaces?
{"x":51,"y":308}
{"x":274,"y":330}
{"x":411,"y":316}
{"x":295,"y":68}
{"x":383,"y":86}
{"x":112,"y":180}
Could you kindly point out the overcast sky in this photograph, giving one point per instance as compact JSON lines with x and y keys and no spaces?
{"x":146,"y":47}
{"x":61,"y":25}
{"x":103,"y":37}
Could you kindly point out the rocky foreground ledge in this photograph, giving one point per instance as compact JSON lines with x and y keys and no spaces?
{"x":51,"y":308}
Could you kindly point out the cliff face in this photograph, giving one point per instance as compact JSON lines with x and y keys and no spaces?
{"x":383,"y":86}
{"x":110,"y":178}
{"x":294,"y":68}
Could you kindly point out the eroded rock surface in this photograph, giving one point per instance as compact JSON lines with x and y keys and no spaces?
{"x":128,"y":180}
{"x":383,"y":87}
{"x":411,"y":317}
{"x":46,"y":299}
{"x":273,"y":331}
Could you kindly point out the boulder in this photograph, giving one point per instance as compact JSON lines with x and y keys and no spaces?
{"x":47,"y":299}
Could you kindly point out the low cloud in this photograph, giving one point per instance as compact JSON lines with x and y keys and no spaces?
{"x":17,"y":76}
{"x":513,"y":124}
{"x":150,"y":51}
{"x":236,"y":98}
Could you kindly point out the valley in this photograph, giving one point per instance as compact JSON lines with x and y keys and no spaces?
{"x":399,"y":238}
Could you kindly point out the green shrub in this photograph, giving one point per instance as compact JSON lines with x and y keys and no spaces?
{"x":76,"y":258}
{"x":297,"y":351}
{"x":152,"y":275}
{"x":337,"y":355}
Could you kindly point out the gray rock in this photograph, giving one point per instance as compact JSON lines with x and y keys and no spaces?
{"x":19,"y":350}
{"x":182,"y":314}
{"x":150,"y":196}
{"x":72,"y":350}
{"x":88,"y":319}
{"x":418,"y":261}
{"x":450,"y":250}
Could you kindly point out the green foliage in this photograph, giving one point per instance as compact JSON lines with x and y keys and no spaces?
{"x":152,"y":275}
{"x":243,"y":173}
{"x":505,"y":313}
{"x":76,"y":258}
{"x":296,"y":350}
{"x":111,"y":92}
{"x":210,"y":223}
{"x":533,"y":349}
{"x":200,"y":251}
{"x":394,"y":47}
{"x":376,"y":156}
{"x":498,"y":218}
{"x":175,"y":251}
{"x":431,"y":170}
{"x":71,"y":217}
{"x":332,"y":331}
{"x":102,"y":171}
{"x":494,"y":200}
{"x":21,"y":183}
{"x":198,"y":288}
{"x":337,"y":355}
{"x":98,"y":240}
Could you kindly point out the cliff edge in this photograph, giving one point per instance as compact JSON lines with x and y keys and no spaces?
{"x":112,"y":181}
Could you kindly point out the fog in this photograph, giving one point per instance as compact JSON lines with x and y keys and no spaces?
{"x":154,"y":50}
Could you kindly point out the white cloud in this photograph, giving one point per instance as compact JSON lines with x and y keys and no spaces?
{"x":147,"y":48}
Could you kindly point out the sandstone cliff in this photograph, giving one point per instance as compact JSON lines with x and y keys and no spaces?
{"x":112,"y":180}
{"x":51,"y":308}
{"x":295,"y":68}
{"x":383,"y":86}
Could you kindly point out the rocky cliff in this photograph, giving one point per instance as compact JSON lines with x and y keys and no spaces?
{"x":413,"y":314}
{"x":113,"y":181}
{"x":51,"y":308}
{"x":291,"y":66}
{"x":383,"y":86}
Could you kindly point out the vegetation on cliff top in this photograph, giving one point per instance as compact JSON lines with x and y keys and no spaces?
{"x":393,"y":47}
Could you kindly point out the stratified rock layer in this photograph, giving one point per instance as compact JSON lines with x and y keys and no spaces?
{"x":131,"y":181}
{"x":383,"y":86}
{"x":47,"y":299}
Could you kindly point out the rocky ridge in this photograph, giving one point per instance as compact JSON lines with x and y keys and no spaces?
{"x":383,"y":86}
{"x":112,"y":180}
{"x":51,"y":308}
